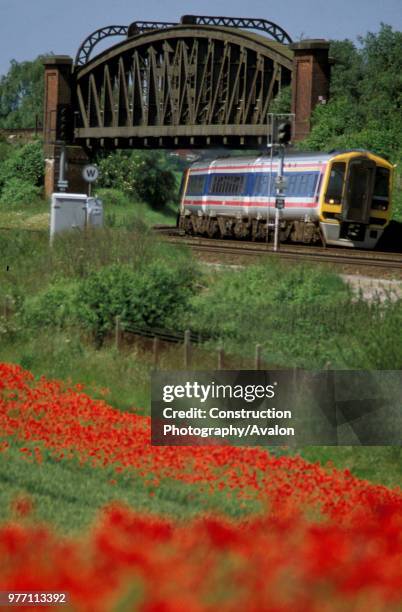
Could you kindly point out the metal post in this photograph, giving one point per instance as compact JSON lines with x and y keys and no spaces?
{"x":156,"y":351}
{"x":270,"y":188}
{"x":117,"y":334}
{"x":6,"y":307}
{"x":187,"y":348}
{"x":220,"y":358}
{"x":276,"y":234}
{"x":258,"y":356}
{"x":62,"y":182}
{"x":279,"y":193}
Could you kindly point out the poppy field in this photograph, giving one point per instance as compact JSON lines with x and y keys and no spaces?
{"x":260,"y":532}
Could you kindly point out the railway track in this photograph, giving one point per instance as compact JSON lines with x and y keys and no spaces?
{"x":330,"y":255}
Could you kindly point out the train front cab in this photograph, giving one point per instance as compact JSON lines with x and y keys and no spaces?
{"x":355,"y":201}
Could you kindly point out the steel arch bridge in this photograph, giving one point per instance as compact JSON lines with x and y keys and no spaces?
{"x":207,"y":81}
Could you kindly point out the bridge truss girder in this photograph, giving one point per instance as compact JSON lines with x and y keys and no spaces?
{"x":184,"y":86}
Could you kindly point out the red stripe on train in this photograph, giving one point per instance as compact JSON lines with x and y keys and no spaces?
{"x":249,"y":204}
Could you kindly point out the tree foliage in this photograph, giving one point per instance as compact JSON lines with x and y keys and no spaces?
{"x":24,"y":163}
{"x":143,"y":175}
{"x":364,"y":110}
{"x":21,"y":94}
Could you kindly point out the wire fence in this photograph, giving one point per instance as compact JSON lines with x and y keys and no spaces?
{"x":189,"y":341}
{"x":174,"y":349}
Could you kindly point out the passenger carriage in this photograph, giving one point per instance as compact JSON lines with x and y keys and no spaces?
{"x":338,"y":198}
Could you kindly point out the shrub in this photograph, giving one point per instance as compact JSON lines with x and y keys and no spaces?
{"x":117,"y":173}
{"x":54,"y":307}
{"x":25,"y":163}
{"x":113,"y":197}
{"x":153,"y":296}
{"x":19,"y":192}
{"x":156,"y":184}
{"x":144,"y":176}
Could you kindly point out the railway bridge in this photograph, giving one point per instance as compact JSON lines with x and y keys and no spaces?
{"x":201,"y":82}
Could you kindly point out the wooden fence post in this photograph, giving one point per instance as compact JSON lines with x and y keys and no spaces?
{"x":7,"y":306}
{"x":220,"y":358}
{"x":117,"y":333}
{"x":257,"y":356}
{"x":155,"y":351}
{"x":187,"y":348}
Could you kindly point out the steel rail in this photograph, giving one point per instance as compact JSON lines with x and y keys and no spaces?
{"x":317,"y":254}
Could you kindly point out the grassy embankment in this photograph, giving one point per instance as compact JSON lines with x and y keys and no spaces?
{"x":68,"y":494}
{"x":295,"y":312}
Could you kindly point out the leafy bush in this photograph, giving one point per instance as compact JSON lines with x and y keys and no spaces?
{"x":113,"y":197}
{"x":117,"y":173}
{"x":156,"y":184}
{"x":152,"y":296}
{"x":54,"y":307}
{"x":25,"y":163}
{"x":5,"y":149}
{"x":19,"y":192}
{"x":145,"y":176}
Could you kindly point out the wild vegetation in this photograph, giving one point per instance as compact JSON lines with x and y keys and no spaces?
{"x":315,"y":532}
{"x":272,"y":531}
{"x":364,"y":110}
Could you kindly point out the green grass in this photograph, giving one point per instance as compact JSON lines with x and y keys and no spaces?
{"x":302,"y":316}
{"x":33,"y":217}
{"x":298,"y":315}
{"x":69,"y":495}
{"x":378,"y":464}
{"x":29,"y":265}
{"x":119,"y":211}
{"x":64,"y":356}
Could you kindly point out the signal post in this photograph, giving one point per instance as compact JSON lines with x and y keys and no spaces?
{"x":281,"y":125}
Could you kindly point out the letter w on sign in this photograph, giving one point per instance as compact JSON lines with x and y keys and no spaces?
{"x":90,"y":173}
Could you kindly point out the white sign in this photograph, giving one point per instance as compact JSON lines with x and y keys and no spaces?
{"x":90,"y":173}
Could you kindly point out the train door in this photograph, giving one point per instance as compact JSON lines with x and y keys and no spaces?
{"x":359,"y":191}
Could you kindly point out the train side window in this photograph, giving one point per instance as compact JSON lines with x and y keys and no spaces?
{"x":264,"y":184}
{"x":335,"y":183}
{"x":195,"y":185}
{"x":301,"y":184}
{"x":381,"y":189}
{"x":228,"y":184}
{"x":291,"y":184}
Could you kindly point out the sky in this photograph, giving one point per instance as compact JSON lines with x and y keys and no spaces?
{"x":32,"y":27}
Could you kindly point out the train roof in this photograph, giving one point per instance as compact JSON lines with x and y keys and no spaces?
{"x":263,"y":158}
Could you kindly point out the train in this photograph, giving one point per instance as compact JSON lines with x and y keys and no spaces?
{"x":340,"y":198}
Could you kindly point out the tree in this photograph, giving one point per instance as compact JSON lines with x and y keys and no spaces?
{"x":21,"y":94}
{"x":146,"y":175}
{"x":366,"y":97}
